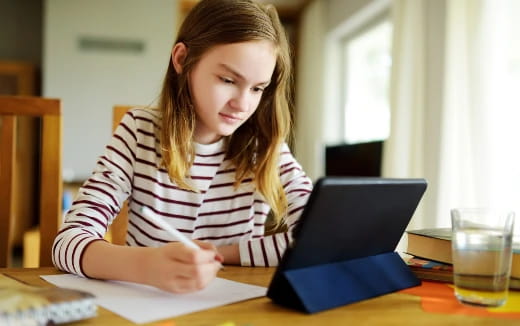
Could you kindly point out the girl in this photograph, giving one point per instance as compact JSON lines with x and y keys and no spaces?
{"x":211,"y":161}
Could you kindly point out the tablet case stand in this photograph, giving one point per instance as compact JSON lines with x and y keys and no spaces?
{"x":322,"y":287}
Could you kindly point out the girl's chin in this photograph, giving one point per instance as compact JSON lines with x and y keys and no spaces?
{"x":228,"y":131}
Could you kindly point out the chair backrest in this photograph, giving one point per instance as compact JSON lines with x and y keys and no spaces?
{"x":119,"y":227}
{"x":50,"y":179}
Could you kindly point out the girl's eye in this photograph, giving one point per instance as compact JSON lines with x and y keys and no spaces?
{"x":258,"y":89}
{"x":226,"y":80}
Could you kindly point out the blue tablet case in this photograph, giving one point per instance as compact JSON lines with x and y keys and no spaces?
{"x":343,"y":249}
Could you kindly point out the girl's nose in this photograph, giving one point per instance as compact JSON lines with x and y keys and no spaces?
{"x":240,"y":101}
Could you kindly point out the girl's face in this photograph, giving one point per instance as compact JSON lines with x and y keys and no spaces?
{"x":227,"y":85}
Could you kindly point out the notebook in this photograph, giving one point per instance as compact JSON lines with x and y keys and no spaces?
{"x":347,"y":219}
{"x":22,"y":304}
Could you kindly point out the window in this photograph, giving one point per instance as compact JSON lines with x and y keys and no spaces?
{"x":366,"y":79}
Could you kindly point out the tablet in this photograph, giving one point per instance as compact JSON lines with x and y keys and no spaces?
{"x":347,"y":218}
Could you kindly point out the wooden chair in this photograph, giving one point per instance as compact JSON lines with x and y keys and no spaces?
{"x":50,"y":180}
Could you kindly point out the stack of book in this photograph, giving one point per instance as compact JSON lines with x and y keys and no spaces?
{"x":430,"y":251}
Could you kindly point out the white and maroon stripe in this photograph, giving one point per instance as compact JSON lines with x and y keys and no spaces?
{"x":218,"y":212}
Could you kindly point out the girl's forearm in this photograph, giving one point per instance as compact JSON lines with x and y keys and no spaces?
{"x":104,"y":260}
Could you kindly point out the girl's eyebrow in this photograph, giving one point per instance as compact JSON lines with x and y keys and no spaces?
{"x":240,"y":76}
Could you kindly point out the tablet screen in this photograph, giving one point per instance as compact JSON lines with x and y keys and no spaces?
{"x":347,"y":218}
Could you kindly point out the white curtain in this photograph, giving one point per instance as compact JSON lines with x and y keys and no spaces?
{"x":309,"y":135}
{"x":480,"y":152}
{"x":459,"y":129}
{"x":403,"y":150}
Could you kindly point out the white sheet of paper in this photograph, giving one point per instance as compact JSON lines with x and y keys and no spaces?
{"x":143,"y":304}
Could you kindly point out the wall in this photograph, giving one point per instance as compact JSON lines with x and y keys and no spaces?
{"x":91,"y":80}
{"x":340,"y":11}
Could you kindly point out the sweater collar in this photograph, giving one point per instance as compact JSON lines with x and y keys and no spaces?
{"x":211,"y":148}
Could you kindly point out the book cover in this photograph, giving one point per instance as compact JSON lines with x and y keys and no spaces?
{"x":435,"y":244}
{"x":22,"y":304}
{"x":432,"y":244}
{"x":430,"y":270}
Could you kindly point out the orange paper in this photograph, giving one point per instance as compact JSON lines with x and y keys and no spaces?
{"x":439,"y":298}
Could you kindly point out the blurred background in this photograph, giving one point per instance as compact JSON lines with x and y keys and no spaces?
{"x":394,"y":88}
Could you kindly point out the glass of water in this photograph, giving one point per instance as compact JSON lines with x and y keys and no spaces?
{"x":482,"y":253}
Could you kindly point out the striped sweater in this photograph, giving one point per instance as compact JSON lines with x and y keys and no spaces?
{"x":130,"y":168}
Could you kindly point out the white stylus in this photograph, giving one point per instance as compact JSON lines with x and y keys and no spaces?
{"x":171,"y":230}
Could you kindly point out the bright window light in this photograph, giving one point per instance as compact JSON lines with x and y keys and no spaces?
{"x":367,"y":76}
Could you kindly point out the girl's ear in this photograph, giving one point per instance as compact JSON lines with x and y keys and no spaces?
{"x":179,"y":53}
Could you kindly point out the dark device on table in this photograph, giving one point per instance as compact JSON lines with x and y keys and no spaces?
{"x":343,"y":248}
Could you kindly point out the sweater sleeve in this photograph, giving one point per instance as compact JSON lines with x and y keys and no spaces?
{"x":267,"y":251}
{"x":99,"y":199}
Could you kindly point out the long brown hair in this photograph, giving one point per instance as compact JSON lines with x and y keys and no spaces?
{"x":254,"y":148}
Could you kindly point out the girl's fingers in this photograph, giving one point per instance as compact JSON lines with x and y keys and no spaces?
{"x":206,"y":245}
{"x":209,"y":246}
{"x":179,"y":252}
{"x":181,"y":269}
{"x":197,"y":271}
{"x":192,"y":278}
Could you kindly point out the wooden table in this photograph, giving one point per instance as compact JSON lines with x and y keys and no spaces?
{"x":391,"y":309}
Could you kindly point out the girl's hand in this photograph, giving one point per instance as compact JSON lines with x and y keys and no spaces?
{"x":179,"y":269}
{"x":231,"y":254}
